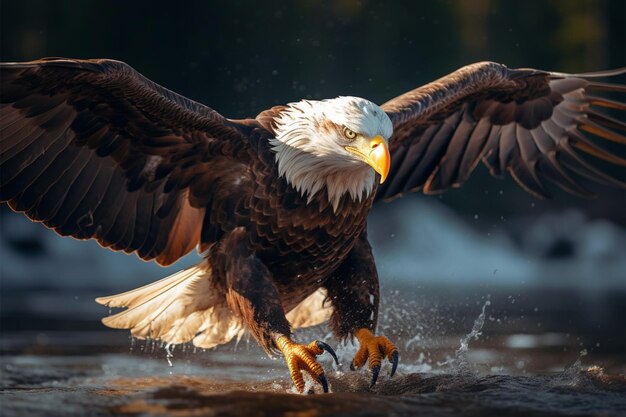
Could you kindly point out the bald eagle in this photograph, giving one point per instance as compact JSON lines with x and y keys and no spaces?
{"x":277,"y":205}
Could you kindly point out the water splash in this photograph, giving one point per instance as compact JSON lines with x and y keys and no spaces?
{"x":573,"y":375}
{"x":169,"y":348}
{"x":475,"y":333}
{"x":577,"y":366}
{"x":460,"y":363}
{"x":415,"y":340}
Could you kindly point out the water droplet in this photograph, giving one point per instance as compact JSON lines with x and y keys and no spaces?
{"x":168,"y":354}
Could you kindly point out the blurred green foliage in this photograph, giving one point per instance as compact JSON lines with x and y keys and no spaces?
{"x":242,"y":57}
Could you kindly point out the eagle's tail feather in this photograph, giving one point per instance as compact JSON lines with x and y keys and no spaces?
{"x":312,"y":311}
{"x":180,"y":308}
{"x":185,"y":307}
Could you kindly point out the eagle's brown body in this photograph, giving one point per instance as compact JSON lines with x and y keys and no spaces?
{"x":300,"y":242}
{"x":94,"y":150}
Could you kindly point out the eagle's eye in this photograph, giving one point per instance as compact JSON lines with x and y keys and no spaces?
{"x":348,"y":133}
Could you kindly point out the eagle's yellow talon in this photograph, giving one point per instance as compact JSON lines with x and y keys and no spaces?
{"x":374,"y":349}
{"x":301,"y":357}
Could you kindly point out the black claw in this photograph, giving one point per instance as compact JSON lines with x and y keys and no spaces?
{"x":375,"y":372}
{"x":352,"y":368}
{"x":324,"y":346}
{"x":394,"y":362}
{"x":322,"y":380}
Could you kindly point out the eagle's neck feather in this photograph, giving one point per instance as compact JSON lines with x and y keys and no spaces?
{"x":310,"y":164}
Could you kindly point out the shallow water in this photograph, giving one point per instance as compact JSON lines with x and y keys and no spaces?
{"x":482,"y":357}
{"x":248,"y":384}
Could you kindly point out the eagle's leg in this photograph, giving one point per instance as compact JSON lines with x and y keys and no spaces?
{"x":353,"y":290}
{"x":374,"y":348}
{"x":252,"y":294}
{"x":302,"y":358}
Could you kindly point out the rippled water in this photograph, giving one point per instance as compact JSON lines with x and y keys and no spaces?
{"x":248,"y":384}
{"x":452,"y":363}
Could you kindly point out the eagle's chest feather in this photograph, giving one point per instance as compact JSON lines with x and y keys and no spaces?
{"x":300,"y":239}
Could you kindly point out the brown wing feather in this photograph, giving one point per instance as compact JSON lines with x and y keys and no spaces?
{"x":521,"y":121}
{"x":93,"y":149}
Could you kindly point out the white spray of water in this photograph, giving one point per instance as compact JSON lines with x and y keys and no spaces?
{"x":414,"y":340}
{"x":475,"y":333}
{"x":573,"y":375}
{"x":168,"y":353}
{"x":460,"y":362}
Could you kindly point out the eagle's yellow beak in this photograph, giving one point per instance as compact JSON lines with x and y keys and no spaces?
{"x":376,"y":153}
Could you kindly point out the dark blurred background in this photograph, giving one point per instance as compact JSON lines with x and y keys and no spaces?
{"x":243,"y":57}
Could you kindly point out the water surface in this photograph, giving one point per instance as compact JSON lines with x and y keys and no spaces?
{"x":494,"y":354}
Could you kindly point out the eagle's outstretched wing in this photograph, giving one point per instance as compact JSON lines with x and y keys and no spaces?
{"x":93,"y":149}
{"x":534,"y":124}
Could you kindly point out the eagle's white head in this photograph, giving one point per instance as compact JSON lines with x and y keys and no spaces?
{"x":338,"y":144}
